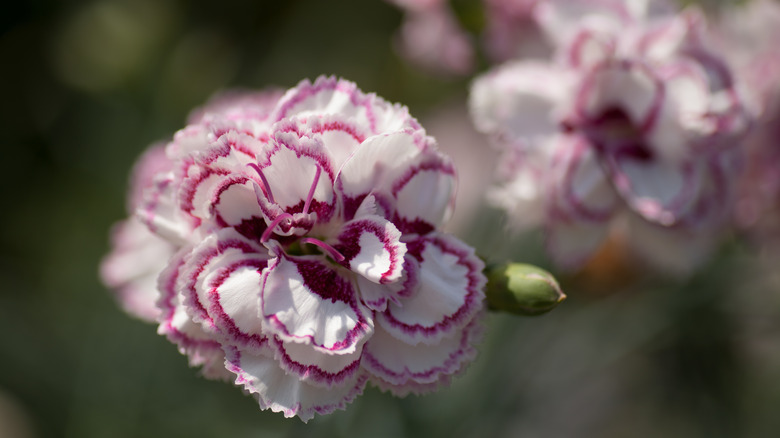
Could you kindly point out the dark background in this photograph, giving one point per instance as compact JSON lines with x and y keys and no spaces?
{"x":85,"y":86}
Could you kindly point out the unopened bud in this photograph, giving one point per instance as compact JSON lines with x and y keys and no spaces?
{"x":522,"y":289}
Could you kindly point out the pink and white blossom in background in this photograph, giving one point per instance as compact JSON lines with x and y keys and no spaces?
{"x":750,"y":32}
{"x":631,"y":132}
{"x":433,"y":39}
{"x":299,"y":240}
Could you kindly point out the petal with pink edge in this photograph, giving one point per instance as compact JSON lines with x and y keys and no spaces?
{"x":583,"y":189}
{"x":375,"y":296}
{"x":329,"y":95}
{"x":308,"y":300}
{"x":131,"y":269}
{"x":658,"y":191}
{"x":628,"y":86}
{"x":233,"y":291}
{"x":234,"y":204}
{"x":444,"y":294}
{"x":202,"y":348}
{"x":376,"y":163}
{"x":404,"y":367}
{"x":260,"y":375}
{"x":209,"y":262}
{"x":340,"y":135}
{"x":425,"y":195}
{"x":297,"y":179}
{"x":204,"y":174}
{"x":160,"y":212}
{"x":518,"y":100}
{"x":315,"y":366}
{"x":371,"y":247}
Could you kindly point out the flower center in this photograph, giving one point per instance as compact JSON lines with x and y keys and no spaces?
{"x":613,"y":132}
{"x":287,"y":219}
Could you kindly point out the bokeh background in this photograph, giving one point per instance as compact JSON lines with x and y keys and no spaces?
{"x":85,"y":86}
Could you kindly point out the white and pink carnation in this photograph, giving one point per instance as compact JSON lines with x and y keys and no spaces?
{"x":306,"y":253}
{"x":633,"y":130}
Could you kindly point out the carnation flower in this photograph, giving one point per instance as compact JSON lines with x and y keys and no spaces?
{"x":633,"y":130}
{"x":308,"y":253}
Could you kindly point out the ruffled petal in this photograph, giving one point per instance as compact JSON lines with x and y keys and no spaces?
{"x":160,"y":212}
{"x":375,"y":296}
{"x":371,"y":247}
{"x":201,"y":347}
{"x":307,"y":300}
{"x":525,"y":188}
{"x":151,"y":163}
{"x":315,"y":366}
{"x":582,"y":188}
{"x":260,"y":375}
{"x":329,"y":95}
{"x":588,"y":48}
{"x":297,"y":179}
{"x":627,"y":86}
{"x":234,"y":204}
{"x":233,"y":288}
{"x":340,"y":135}
{"x":131,"y":269}
{"x":205,"y":173}
{"x":562,"y":19}
{"x":658,"y":191}
{"x":238,"y":105}
{"x":425,"y":195}
{"x":403,"y":368}
{"x":442,"y":296}
{"x":220,"y":285}
{"x":519,"y":100}
{"x":376,"y":163}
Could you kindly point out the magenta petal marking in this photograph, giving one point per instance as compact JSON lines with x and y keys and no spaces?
{"x":402,"y":365}
{"x":261,"y":375}
{"x":306,"y":299}
{"x":650,"y":205}
{"x":287,"y":167}
{"x":198,"y":346}
{"x":422,"y":211}
{"x":306,"y":90}
{"x":225,"y":322}
{"x":371,"y":246}
{"x":198,"y":262}
{"x":449,"y":275}
{"x":578,"y":148}
{"x":314,"y":372}
{"x":234,"y":204}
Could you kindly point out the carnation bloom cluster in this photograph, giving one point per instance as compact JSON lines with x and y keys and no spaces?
{"x":290,"y":242}
{"x":631,"y":131}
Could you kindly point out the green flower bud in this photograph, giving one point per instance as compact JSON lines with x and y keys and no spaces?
{"x":522,"y":289}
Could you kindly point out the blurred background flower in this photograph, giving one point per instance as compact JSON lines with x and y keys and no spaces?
{"x":88,"y":85}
